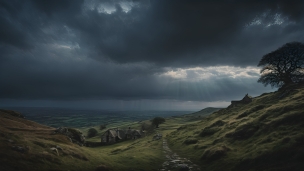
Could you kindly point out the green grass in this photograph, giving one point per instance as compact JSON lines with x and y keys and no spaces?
{"x":266,"y":134}
{"x":262,"y":135}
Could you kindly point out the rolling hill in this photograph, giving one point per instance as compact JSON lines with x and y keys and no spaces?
{"x":266,"y":134}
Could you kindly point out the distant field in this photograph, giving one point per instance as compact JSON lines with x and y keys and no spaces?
{"x":56,"y":117}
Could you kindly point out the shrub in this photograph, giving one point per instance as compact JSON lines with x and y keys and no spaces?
{"x":92,"y":132}
{"x":158,"y":120}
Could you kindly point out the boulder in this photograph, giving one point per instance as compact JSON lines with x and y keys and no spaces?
{"x":58,"y":147}
{"x":157,"y":136}
{"x":54,"y":150}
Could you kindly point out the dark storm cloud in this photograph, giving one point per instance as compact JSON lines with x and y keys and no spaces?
{"x":179,"y":32}
{"x":165,"y":32}
{"x":50,"y":7}
{"x":77,"y":80}
{"x":10,"y":31}
{"x":118,"y":49}
{"x":11,"y":35}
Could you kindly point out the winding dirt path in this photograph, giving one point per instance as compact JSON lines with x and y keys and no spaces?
{"x":175,"y":163}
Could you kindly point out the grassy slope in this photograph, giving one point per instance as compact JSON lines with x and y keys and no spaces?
{"x":36,"y":139}
{"x":267,"y":134}
{"x":140,"y":154}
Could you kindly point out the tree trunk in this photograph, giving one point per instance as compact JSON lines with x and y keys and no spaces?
{"x":287,"y":80}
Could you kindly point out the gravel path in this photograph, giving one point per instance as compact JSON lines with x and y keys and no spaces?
{"x":175,"y":163}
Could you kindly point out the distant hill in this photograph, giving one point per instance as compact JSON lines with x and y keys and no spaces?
{"x":266,"y":134}
{"x":204,"y":112}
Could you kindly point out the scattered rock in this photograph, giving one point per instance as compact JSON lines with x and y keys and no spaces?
{"x":58,"y":147}
{"x":174,"y":162}
{"x":157,"y":136}
{"x":55,"y":150}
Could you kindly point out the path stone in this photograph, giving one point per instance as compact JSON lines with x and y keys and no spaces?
{"x":175,"y":163}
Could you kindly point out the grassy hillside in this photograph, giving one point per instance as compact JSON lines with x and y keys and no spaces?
{"x":26,"y":145}
{"x":266,"y":134}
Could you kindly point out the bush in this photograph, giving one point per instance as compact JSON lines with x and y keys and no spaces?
{"x":92,"y":132}
{"x":158,"y":120}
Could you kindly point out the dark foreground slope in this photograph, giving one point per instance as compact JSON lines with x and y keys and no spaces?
{"x":27,"y":145}
{"x":267,"y":134}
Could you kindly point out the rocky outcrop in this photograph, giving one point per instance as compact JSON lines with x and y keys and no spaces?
{"x":157,"y":136}
{"x":73,"y":134}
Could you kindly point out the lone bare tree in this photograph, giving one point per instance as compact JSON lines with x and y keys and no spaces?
{"x":283,"y":66}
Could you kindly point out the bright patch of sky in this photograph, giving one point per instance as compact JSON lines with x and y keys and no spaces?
{"x":109,"y":7}
{"x":268,"y":19}
{"x":202,"y":73}
{"x":67,"y":46}
{"x":126,"y":6}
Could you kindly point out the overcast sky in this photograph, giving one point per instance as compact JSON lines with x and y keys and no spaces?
{"x":139,"y":54}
